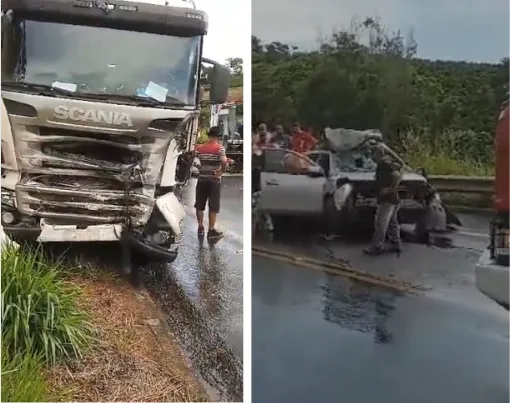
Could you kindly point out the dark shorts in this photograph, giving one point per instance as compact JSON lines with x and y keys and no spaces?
{"x":208,"y":191}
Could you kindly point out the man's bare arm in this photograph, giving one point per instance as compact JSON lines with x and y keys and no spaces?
{"x":223,"y":162}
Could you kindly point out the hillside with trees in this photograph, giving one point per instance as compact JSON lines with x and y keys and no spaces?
{"x":439,"y":114}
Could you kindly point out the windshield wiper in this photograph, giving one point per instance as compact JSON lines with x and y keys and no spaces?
{"x":140,"y":100}
{"x":42,"y":88}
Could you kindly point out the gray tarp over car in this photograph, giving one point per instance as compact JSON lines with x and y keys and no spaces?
{"x":347,"y":139}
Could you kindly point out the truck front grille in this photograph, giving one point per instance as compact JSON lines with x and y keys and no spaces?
{"x":78,"y":175}
{"x":81,"y":199}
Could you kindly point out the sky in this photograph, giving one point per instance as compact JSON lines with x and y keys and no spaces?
{"x":472,"y":30}
{"x":223,"y":39}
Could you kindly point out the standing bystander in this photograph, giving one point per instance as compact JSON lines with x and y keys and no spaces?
{"x":302,"y":141}
{"x":213,"y":163}
{"x":281,"y":139}
{"x":387,"y":179}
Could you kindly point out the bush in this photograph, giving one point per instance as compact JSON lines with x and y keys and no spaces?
{"x":40,"y":315}
{"x":446,"y":153}
{"x":22,"y":379}
{"x":202,"y":137}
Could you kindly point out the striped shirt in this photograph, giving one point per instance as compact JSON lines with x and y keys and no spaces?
{"x":209,"y":155}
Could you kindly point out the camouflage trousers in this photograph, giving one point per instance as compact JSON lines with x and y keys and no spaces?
{"x":260,"y":220}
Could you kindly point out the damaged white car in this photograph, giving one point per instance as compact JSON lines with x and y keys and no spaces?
{"x":94,"y":122}
{"x":337,"y":185}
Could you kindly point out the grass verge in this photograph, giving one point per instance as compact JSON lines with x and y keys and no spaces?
{"x":448,"y":153}
{"x":136,"y":358}
{"x":22,"y":377}
{"x":82,"y":334}
{"x":442,"y":163}
{"x":42,"y":323}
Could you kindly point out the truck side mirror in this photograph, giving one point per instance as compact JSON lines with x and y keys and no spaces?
{"x":422,"y":172}
{"x":219,"y":79}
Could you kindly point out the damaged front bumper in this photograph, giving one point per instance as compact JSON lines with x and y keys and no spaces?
{"x":429,"y":215}
{"x":91,"y":184}
{"x":158,"y":239}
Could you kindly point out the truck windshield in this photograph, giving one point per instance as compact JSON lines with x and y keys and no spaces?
{"x":92,"y":59}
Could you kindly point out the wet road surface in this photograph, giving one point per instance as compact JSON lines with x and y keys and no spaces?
{"x":202,"y":292}
{"x":445,"y":269}
{"x":212,"y":276}
{"x":321,"y":337}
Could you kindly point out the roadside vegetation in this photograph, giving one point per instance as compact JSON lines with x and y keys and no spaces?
{"x":42,"y":324}
{"x":439,"y":115}
{"x":83,"y":334}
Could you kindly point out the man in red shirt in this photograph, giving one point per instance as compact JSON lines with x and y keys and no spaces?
{"x":213,"y":163}
{"x":302,"y":141}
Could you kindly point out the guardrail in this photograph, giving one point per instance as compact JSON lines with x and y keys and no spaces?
{"x":463,"y":184}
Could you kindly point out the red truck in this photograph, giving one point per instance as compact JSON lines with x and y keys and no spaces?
{"x":492,"y":270}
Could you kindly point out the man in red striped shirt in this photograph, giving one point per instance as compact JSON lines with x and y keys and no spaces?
{"x":213,"y":163}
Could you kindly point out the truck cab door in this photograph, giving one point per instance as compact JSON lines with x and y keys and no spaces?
{"x":291,"y":184}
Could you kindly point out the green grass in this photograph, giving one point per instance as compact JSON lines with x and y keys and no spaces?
{"x":449,"y":153}
{"x":39,"y":309}
{"x":22,"y":377}
{"x":442,"y":163}
{"x":42,"y":323}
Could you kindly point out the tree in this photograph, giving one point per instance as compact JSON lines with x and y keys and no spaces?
{"x":368,"y":77}
{"x":235,"y":65}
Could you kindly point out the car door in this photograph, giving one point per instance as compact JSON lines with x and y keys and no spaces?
{"x":291,"y":184}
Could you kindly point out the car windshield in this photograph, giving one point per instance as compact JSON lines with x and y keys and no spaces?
{"x":357,"y":160}
{"x":98,"y":60}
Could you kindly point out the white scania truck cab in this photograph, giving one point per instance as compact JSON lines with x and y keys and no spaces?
{"x":99,"y":100}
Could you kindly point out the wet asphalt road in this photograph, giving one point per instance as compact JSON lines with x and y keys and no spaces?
{"x":321,"y":337}
{"x":202,"y":293}
{"x":212,"y":276}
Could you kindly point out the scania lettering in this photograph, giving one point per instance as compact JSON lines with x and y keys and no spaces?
{"x":92,"y":132}
{"x":91,"y":115}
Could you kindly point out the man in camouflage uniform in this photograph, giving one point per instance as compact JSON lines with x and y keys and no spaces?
{"x":387,"y":179}
{"x":260,"y":220}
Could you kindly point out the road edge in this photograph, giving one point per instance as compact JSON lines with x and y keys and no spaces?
{"x":340,"y":269}
{"x":211,"y":356}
